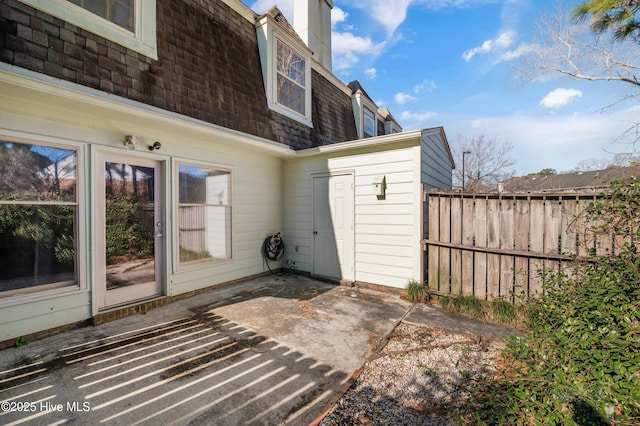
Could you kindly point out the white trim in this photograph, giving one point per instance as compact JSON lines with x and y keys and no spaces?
{"x":80,"y":273}
{"x":42,"y":84}
{"x":110,"y":298}
{"x":377,"y":141}
{"x":207,"y":262}
{"x":143,"y":41}
{"x":360,"y":102}
{"x":327,"y":174}
{"x":374,"y":121}
{"x":268,"y":33}
{"x":242,"y":10}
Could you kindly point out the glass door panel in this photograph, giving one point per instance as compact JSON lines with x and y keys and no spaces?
{"x":132,"y":233}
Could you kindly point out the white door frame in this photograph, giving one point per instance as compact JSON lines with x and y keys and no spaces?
{"x":107,"y":299}
{"x":347,"y":260}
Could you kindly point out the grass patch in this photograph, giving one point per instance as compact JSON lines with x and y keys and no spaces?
{"x":499,"y":311}
{"x":417,"y":292}
{"x":503,"y":311}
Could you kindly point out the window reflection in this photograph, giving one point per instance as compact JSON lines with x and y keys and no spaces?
{"x":38,"y":217}
{"x":204,"y":214}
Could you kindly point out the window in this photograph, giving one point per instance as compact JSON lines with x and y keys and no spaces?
{"x":120,"y":12}
{"x":130,"y":23}
{"x":38,"y":217}
{"x":204,"y":214}
{"x":369,"y":123}
{"x":286,"y":69}
{"x":291,"y":79}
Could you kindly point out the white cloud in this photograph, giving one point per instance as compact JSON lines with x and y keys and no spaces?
{"x":347,"y":49}
{"x":559,"y":98}
{"x":501,"y":42}
{"x":371,"y":73}
{"x":403,"y":98}
{"x":337,"y":16}
{"x":522,"y":49}
{"x":427,"y":85}
{"x":390,"y":14}
{"x":416,"y":120}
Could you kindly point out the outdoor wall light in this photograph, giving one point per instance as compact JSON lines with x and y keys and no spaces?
{"x":130,"y":142}
{"x":156,"y":146}
{"x":380,"y":186}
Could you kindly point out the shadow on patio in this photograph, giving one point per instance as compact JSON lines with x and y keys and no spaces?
{"x":202,"y":369}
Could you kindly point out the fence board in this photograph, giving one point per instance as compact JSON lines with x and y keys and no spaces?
{"x":434,"y":234}
{"x":521,"y":242}
{"x":537,"y":224}
{"x":467,"y":276}
{"x":496,"y":245}
{"x":444,"y":271}
{"x":480,"y":239}
{"x":493,"y":241}
{"x":568,"y":226}
{"x":456,"y":237}
{"x":507,"y":242}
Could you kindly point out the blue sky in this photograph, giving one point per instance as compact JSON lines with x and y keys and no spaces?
{"x":451,"y":63}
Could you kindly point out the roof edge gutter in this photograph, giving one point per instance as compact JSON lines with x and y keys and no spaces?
{"x":40,"y":83}
{"x":362,"y":143}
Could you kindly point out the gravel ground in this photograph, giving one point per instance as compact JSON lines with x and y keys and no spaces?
{"x":414,"y":379}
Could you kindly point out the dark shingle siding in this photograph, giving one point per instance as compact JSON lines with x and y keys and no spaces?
{"x":208,"y":68}
{"x":332,"y":116}
{"x":380,"y":126}
{"x":332,"y":113}
{"x":208,"y":64}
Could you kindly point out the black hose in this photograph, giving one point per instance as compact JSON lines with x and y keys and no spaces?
{"x":273,"y":249}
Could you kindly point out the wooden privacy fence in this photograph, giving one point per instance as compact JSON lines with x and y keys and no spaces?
{"x":495,"y":245}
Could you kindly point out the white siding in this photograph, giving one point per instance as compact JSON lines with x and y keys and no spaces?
{"x":386,"y":231}
{"x":100,"y":126}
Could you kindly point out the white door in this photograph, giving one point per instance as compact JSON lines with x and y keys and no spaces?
{"x":333,"y":226}
{"x":130,"y":231}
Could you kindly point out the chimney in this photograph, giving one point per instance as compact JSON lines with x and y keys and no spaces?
{"x":312,"y":22}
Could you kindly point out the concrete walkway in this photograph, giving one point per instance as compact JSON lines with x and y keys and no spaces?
{"x":274,"y":350}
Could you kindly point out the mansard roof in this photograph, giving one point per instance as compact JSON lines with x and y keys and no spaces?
{"x":355,"y":86}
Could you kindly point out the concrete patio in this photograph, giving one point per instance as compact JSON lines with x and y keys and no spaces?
{"x":274,"y":350}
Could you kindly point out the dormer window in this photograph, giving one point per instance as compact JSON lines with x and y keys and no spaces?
{"x":291,"y":78}
{"x":286,"y":67}
{"x":364,"y":111}
{"x":369,"y":123}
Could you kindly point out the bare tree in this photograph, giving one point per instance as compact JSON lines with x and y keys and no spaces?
{"x":570,"y":47}
{"x":618,"y":160}
{"x":485,"y":161}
